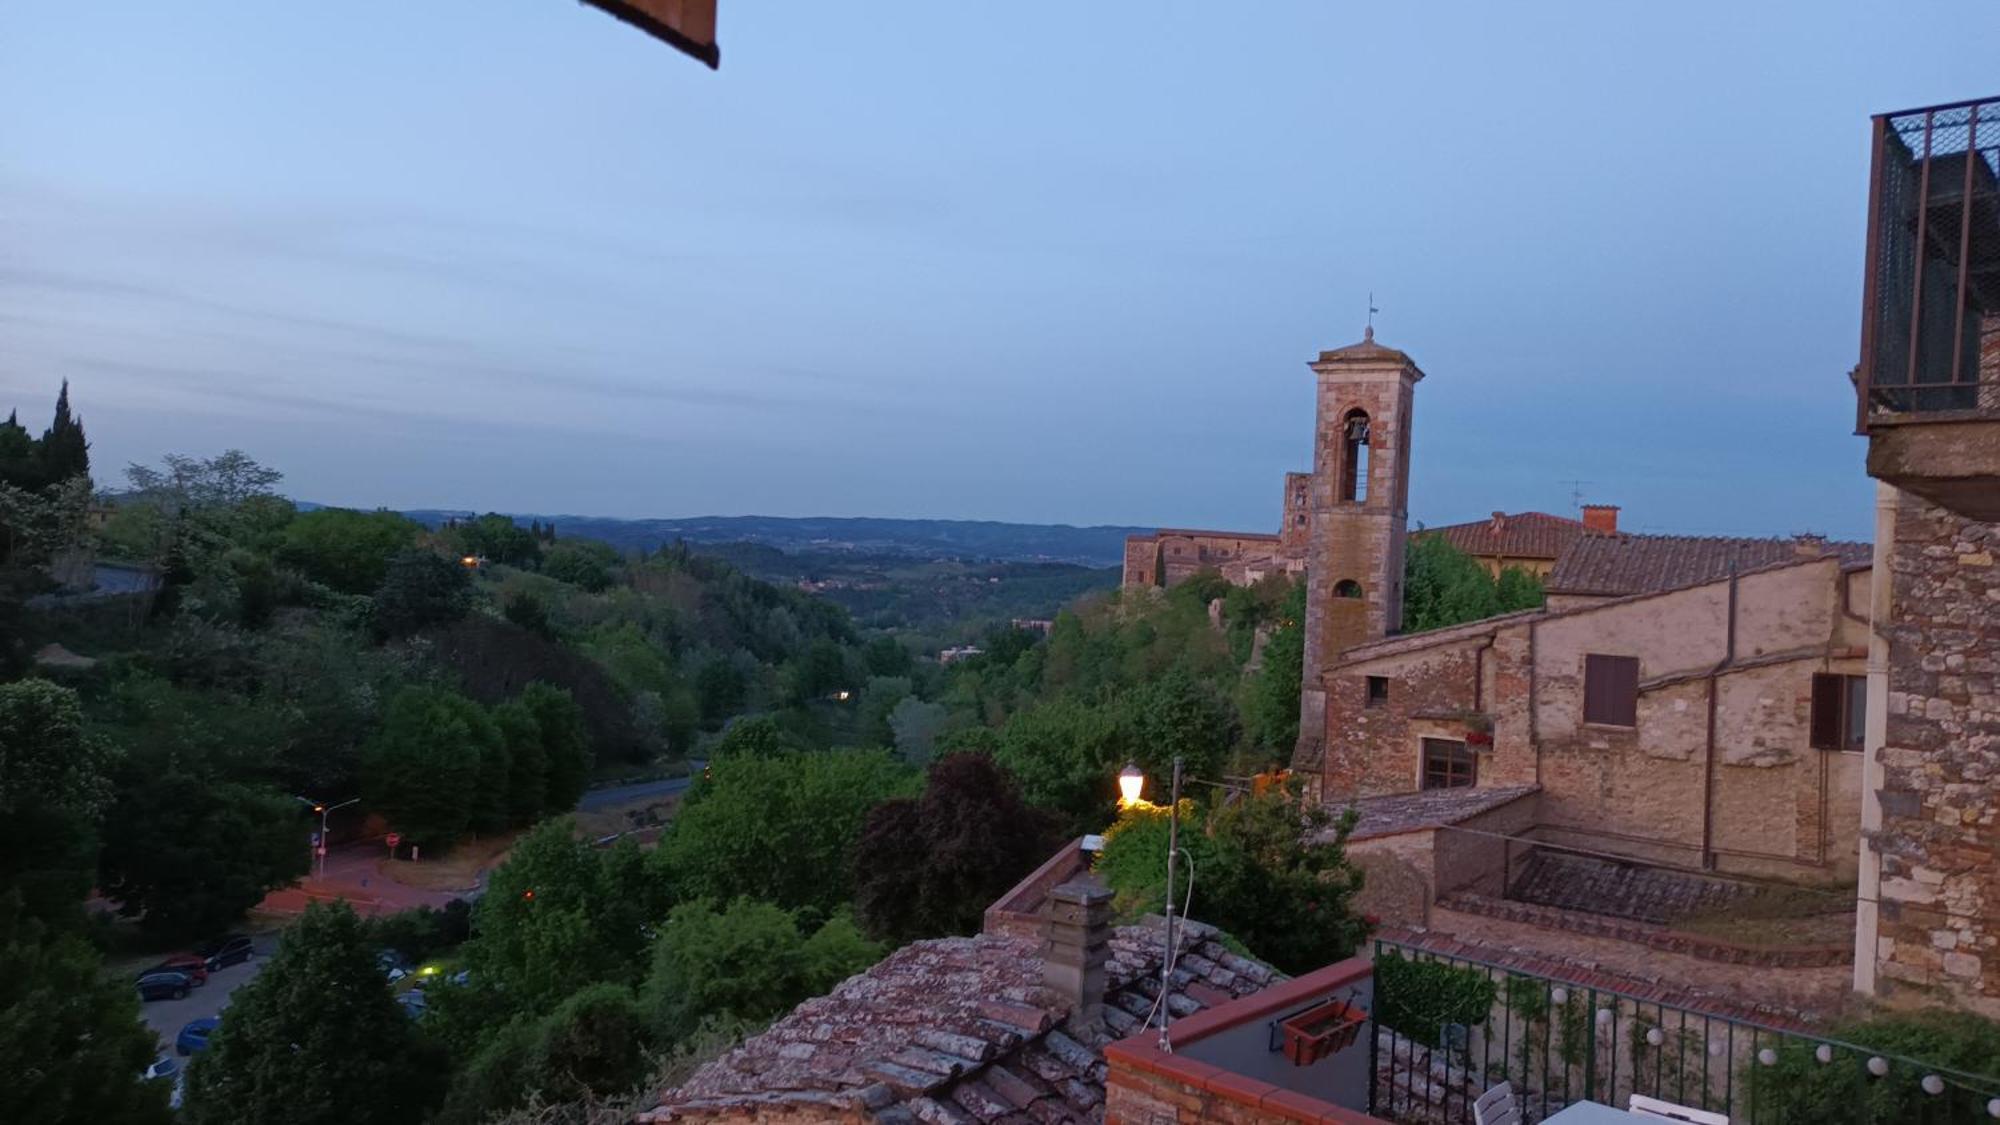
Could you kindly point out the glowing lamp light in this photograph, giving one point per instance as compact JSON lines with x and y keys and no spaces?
{"x":1993,"y":1107}
{"x":1131,"y":781}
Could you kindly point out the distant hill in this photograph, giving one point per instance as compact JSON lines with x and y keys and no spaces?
{"x":923,"y":539}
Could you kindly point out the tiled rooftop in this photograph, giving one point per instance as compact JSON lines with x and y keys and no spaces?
{"x":1616,"y":565}
{"x":1523,"y":535}
{"x":1431,"y":808}
{"x":956,"y":1031}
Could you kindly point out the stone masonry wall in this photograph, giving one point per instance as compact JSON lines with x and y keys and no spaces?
{"x":1939,"y":929}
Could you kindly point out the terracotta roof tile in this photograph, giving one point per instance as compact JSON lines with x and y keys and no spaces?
{"x":1616,"y":565}
{"x":959,"y":1030}
{"x":1394,"y":813}
{"x":1523,"y":535}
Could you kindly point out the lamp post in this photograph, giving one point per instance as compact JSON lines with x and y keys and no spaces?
{"x":323,"y":809}
{"x":1131,"y":782}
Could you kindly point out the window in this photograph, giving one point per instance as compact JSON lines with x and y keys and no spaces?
{"x":1378,"y":690}
{"x":1448,"y":764}
{"x":1347,"y":588}
{"x":1354,"y":458}
{"x":1839,"y":711}
{"x":1611,"y":690}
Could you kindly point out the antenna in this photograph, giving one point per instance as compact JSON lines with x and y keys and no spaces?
{"x":1576,"y":494}
{"x":1372,"y":310}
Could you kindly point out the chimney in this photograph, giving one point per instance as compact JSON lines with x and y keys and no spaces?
{"x":1079,"y":942}
{"x":1499,"y":522}
{"x":1601,"y":518}
{"x":1809,"y":545}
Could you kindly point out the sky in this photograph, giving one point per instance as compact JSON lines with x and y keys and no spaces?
{"x":1061,"y":263}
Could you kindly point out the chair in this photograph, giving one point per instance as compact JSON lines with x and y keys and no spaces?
{"x":1654,"y":1107}
{"x":1497,"y":1107}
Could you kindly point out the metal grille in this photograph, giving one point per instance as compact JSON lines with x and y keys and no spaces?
{"x":1930,"y":330}
{"x":1557,"y":1043}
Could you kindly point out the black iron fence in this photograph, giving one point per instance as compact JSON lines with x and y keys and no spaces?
{"x":1930,"y":325}
{"x":1450,"y":1028}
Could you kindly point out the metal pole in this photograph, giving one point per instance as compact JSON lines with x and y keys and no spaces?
{"x":1173,"y":851}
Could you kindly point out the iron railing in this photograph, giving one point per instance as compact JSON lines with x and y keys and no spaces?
{"x":1558,"y":1043}
{"x":1930,"y":320}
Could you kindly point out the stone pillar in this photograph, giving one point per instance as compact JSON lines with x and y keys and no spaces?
{"x":1079,"y":942}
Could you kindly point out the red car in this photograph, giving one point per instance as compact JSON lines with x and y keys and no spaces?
{"x":193,"y":964}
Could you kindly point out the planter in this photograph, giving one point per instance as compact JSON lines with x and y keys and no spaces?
{"x":1322,"y":1030}
{"x":1479,"y":738}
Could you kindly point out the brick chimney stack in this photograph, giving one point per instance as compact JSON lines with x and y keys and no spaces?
{"x":1601,"y":519}
{"x":1499,"y":522}
{"x":1809,"y":545}
{"x":1079,"y":942}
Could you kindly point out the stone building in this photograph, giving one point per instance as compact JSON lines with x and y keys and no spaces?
{"x":1928,"y":396}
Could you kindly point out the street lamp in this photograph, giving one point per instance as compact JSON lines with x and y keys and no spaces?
{"x":1131,"y":780}
{"x":323,"y":809}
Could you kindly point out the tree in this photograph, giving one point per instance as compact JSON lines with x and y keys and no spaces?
{"x":54,"y":784}
{"x":345,"y":549}
{"x":527,"y":761}
{"x":419,"y":590}
{"x":591,"y":1046}
{"x":71,"y":1035}
{"x":581,"y":563}
{"x":811,"y":805}
{"x":560,"y":915}
{"x":757,"y":736}
{"x":496,"y":538}
{"x":1271,"y":706}
{"x":424,"y":770}
{"x":527,"y":611}
{"x":1066,"y":755}
{"x":915,"y":725}
{"x":189,"y":853}
{"x":65,"y":451}
{"x":746,"y":961}
{"x":931,"y":865}
{"x":315,"y":1039}
{"x":886,"y":656}
{"x":1443,"y":586}
{"x":722,"y":688}
{"x":1273,"y":872}
{"x":566,"y":752}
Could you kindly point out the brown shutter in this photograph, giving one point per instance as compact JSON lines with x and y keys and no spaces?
{"x":1825,"y":711}
{"x":1611,"y":690}
{"x":1626,"y":697}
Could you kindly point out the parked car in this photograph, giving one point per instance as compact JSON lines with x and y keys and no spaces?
{"x":193,"y":1038}
{"x":193,"y":964}
{"x":166,"y":1066}
{"x":414,"y":1003}
{"x":221,"y":952}
{"x":164,"y":986}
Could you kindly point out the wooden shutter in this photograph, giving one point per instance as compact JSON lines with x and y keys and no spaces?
{"x":1611,"y":690}
{"x":1826,"y":711}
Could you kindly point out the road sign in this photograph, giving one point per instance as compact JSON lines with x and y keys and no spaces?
{"x":321,"y":850}
{"x":394,"y":838}
{"x":315,"y":840}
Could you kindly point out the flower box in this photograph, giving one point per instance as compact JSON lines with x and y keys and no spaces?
{"x":1322,"y":1030}
{"x":1480,"y":739}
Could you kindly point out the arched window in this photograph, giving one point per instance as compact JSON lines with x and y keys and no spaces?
{"x":1354,"y":456}
{"x":1347,"y":588}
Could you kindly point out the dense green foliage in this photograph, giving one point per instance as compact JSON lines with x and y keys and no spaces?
{"x":1443,"y":585}
{"x":1418,"y":998}
{"x":1800,"y":1089}
{"x":807,"y":808}
{"x":315,"y":1038}
{"x":188,"y":854}
{"x":932,"y":864}
{"x":347,"y":550}
{"x":748,"y":960}
{"x":1271,"y":868}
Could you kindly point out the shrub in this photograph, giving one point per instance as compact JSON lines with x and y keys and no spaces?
{"x":1417,"y":999}
{"x":1800,"y":1089}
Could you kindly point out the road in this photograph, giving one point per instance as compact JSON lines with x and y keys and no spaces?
{"x":167,"y":1017}
{"x":626,"y":794}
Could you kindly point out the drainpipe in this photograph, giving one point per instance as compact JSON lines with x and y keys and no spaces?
{"x":1534,"y":716}
{"x":1880,"y":605}
{"x":1708,"y":751}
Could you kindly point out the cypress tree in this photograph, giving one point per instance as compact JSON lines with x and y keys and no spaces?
{"x":65,"y":450}
{"x":20,"y":457}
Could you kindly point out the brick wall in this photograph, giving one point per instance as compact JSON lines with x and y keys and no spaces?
{"x":1939,"y":841}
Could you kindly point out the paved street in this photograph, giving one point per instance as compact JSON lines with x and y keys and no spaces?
{"x":626,"y":794}
{"x":167,"y":1017}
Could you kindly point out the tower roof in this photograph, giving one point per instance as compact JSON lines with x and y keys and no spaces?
{"x":1367,"y":351}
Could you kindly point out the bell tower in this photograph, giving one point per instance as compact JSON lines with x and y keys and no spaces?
{"x":1359,"y":498}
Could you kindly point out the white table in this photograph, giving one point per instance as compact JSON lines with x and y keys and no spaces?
{"x":1591,"y":1113}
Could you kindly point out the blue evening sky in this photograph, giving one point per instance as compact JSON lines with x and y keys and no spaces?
{"x":1051,"y":263}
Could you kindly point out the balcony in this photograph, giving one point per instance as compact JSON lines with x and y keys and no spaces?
{"x":1928,"y":385}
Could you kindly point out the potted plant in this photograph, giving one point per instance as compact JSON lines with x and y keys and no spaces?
{"x":1321,"y":1030}
{"x":1478,"y":729}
